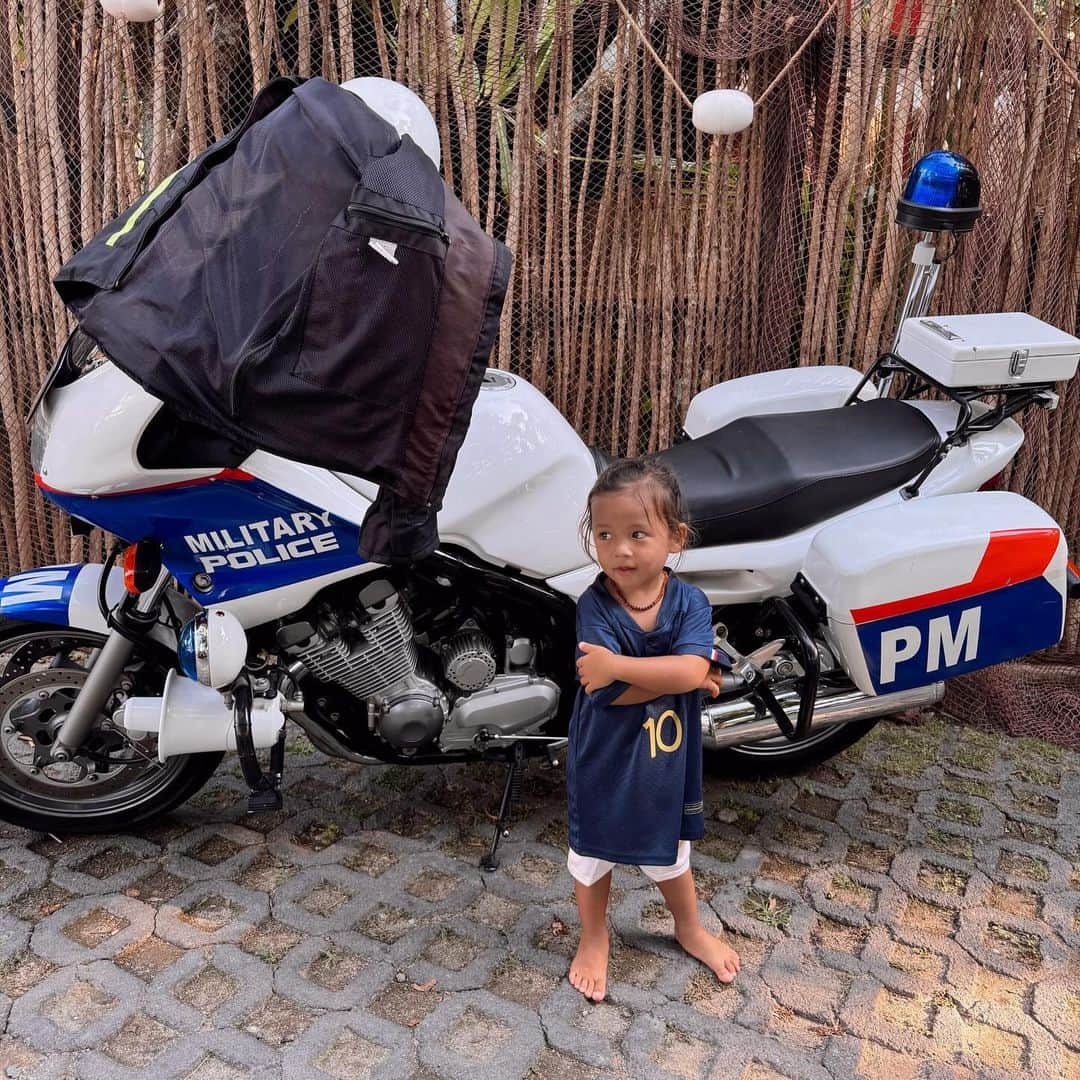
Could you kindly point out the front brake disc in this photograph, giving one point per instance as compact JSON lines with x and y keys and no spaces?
{"x":32,"y":709}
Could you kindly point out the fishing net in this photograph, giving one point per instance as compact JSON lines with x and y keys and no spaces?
{"x":650,"y":261}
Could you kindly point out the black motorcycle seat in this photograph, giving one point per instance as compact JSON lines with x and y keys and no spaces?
{"x":763,"y":477}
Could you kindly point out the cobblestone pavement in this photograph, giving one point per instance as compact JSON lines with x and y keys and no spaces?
{"x":908,"y":909}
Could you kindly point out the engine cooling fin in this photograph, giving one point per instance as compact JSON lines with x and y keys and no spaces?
{"x":384,"y":655}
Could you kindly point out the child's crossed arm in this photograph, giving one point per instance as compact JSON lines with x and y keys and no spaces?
{"x":648,"y":676}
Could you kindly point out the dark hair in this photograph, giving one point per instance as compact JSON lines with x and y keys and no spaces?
{"x":649,"y":474}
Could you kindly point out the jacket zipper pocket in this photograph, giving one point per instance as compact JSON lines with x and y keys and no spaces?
{"x":402,"y":221}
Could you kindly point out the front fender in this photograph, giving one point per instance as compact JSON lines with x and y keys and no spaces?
{"x":67,"y":596}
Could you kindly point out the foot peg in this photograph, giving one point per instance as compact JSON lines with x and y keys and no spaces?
{"x":265,"y":802}
{"x":265,"y":790}
{"x":747,"y":671}
{"x":556,"y":751}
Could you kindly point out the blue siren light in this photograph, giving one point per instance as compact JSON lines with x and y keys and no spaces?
{"x":941,"y":194}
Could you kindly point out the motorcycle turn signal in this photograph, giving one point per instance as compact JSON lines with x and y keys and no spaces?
{"x":142,"y":565}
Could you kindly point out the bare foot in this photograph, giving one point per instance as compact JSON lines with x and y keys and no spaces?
{"x":588,"y":971}
{"x":711,"y":951}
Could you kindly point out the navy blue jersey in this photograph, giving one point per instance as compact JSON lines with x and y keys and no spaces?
{"x":633,"y":772}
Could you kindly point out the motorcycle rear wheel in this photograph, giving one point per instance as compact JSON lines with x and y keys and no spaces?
{"x":114,"y":782}
{"x":781,"y":757}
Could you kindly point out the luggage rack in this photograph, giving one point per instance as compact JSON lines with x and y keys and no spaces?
{"x":1012,"y":399}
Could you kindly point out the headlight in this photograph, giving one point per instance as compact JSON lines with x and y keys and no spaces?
{"x":212,"y":648}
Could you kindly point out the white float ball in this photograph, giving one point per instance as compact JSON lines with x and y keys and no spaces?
{"x":723,"y":112}
{"x":133,"y":10}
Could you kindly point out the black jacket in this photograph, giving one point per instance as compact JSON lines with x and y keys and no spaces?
{"x":308,"y":286}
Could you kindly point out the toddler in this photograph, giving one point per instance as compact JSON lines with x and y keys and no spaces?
{"x":645,"y":643}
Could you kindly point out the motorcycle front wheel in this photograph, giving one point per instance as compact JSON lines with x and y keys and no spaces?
{"x":114,"y":782}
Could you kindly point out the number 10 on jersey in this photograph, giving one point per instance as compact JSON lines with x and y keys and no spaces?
{"x":655,"y":727}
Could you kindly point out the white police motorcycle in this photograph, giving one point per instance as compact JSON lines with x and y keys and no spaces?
{"x":852,"y":556}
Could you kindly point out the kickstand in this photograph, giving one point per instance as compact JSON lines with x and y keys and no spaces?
{"x":511,"y":795}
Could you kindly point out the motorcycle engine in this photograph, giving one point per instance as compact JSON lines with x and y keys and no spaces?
{"x":370,"y":651}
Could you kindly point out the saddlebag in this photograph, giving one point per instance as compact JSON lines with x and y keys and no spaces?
{"x":932,"y":588}
{"x":308,"y":286}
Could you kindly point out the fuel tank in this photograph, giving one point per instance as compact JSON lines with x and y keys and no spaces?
{"x":518,"y":489}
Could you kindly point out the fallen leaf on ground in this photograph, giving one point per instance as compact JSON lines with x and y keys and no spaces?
{"x":424,"y":987}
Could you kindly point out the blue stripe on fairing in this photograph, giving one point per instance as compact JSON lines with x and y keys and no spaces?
{"x":171,"y":514}
{"x":40,"y":595}
{"x":1013,"y":621}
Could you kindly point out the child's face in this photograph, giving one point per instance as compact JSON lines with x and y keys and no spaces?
{"x":632,"y":541}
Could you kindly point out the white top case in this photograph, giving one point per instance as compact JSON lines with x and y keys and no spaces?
{"x":1001,"y":349}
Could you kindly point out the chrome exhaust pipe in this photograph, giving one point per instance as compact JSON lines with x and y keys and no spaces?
{"x":732,"y":723}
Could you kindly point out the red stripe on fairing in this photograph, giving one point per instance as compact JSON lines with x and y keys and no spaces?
{"x":225,"y":474}
{"x":1011,"y":556}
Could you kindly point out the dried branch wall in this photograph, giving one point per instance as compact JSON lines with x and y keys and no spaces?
{"x":649,"y":261}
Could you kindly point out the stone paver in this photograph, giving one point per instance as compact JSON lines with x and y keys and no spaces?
{"x":908,"y":909}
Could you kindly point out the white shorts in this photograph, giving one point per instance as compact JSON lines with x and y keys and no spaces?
{"x":589,"y":871}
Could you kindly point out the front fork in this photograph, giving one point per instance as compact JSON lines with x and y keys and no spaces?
{"x":128,"y":622}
